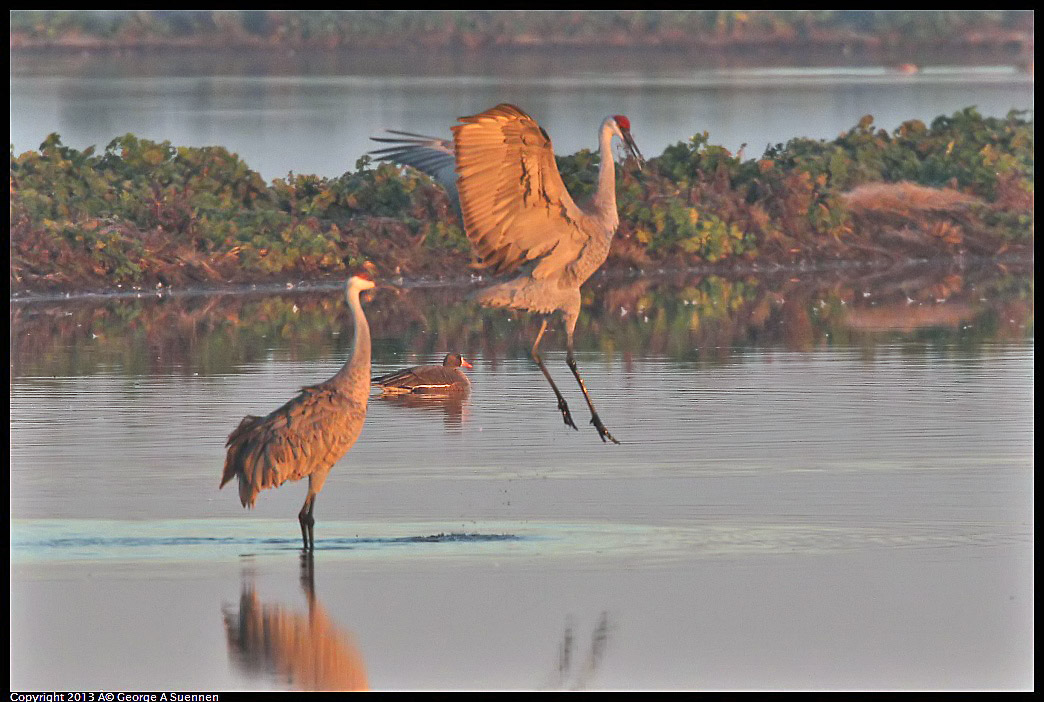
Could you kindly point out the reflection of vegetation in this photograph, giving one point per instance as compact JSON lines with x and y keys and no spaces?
{"x":332,"y":29}
{"x":148,"y":214}
{"x":684,"y":317}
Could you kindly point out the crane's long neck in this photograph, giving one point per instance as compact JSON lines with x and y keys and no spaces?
{"x":605,"y":197}
{"x":355,"y":375}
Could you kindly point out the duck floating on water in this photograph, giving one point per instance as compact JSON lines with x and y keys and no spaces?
{"x":428,"y":379}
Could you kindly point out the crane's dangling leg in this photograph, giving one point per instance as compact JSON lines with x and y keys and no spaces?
{"x":562,"y":406}
{"x":603,"y":433}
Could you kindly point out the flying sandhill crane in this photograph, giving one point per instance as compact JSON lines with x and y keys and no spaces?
{"x":310,"y":433}
{"x":445,"y":378}
{"x":519,"y":216}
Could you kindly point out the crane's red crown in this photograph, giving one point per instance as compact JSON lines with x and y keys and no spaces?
{"x":364,"y":275}
{"x":623,"y":122}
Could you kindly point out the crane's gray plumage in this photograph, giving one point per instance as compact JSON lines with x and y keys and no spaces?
{"x":520,"y":218}
{"x":447,"y":377}
{"x":310,"y":433}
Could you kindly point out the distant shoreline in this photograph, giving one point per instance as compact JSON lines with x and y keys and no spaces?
{"x":893,"y":36}
{"x":1011,"y":47}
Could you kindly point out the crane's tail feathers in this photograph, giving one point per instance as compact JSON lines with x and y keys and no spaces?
{"x":244,"y":426}
{"x":233,"y":445}
{"x":247,"y":490}
{"x":413,"y":136}
{"x":494,"y":296}
{"x":247,"y":493}
{"x":517,"y":293}
{"x":237,"y":443}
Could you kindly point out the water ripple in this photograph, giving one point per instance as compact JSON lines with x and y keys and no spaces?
{"x":181,"y":540}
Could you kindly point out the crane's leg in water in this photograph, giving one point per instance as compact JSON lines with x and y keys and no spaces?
{"x":562,"y":406}
{"x":307,"y":521}
{"x":315,"y":486}
{"x":595,"y":419}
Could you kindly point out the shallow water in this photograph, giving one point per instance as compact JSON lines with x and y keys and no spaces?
{"x":824,"y":482}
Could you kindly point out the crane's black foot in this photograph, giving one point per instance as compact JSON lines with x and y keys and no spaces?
{"x":567,"y":416}
{"x":603,"y":433}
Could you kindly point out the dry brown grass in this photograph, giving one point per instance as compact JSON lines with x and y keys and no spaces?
{"x":907,"y":200}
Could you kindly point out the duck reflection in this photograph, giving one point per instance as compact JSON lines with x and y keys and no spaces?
{"x":451,"y":404}
{"x":306,"y":651}
{"x":571,"y":672}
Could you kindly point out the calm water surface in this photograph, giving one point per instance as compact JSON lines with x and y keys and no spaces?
{"x":271,"y":109}
{"x":823,"y":483}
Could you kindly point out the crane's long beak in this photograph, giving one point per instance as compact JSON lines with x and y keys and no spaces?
{"x":632,"y":147}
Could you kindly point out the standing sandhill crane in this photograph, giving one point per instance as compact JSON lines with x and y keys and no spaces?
{"x":311,"y":432}
{"x":518,"y":215}
{"x":446,"y":378}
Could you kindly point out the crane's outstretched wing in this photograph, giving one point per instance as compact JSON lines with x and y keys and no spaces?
{"x":515,"y":206}
{"x":431,"y":155}
{"x":309,"y":433}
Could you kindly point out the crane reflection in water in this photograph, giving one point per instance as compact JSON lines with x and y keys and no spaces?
{"x":305,"y":651}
